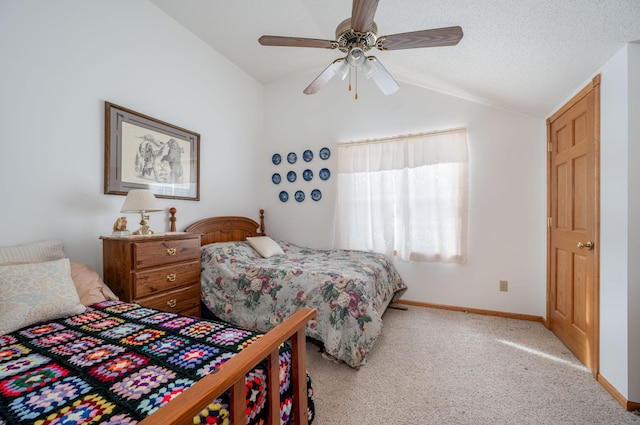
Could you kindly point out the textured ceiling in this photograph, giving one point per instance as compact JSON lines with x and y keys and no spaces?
{"x":523,"y":55}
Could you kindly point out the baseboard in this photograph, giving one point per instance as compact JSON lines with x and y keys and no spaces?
{"x":629,"y":405}
{"x":474,"y":310}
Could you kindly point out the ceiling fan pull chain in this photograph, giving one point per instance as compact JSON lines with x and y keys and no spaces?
{"x":356,"y":84}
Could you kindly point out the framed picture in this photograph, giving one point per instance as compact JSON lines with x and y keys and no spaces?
{"x":145,"y":153}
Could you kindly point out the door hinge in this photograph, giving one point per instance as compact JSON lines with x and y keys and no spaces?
{"x":549,"y":147}
{"x":549,"y":221}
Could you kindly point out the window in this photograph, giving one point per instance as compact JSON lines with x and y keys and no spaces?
{"x":405,"y":196}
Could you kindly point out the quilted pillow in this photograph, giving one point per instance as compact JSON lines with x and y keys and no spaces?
{"x":31,"y":293}
{"x":34,"y":252}
{"x":265,"y":246}
{"x":90,"y":286}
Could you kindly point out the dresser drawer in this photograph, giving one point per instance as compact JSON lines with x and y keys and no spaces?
{"x":162,"y":252}
{"x":177,"y":301}
{"x":151,"y":281}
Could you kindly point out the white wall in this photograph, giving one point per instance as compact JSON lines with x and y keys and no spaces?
{"x":634,"y":224}
{"x":507,"y":184}
{"x":614,"y":221}
{"x":620,"y":222}
{"x":60,"y":62}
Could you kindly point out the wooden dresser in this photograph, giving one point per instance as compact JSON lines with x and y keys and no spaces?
{"x":158,"y":271}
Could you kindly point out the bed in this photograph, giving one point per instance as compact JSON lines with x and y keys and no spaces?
{"x":253,"y":281}
{"x":71,"y":353}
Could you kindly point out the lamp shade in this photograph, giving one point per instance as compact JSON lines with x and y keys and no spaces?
{"x":139,"y":200}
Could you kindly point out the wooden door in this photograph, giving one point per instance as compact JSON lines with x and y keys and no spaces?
{"x":573,"y":219}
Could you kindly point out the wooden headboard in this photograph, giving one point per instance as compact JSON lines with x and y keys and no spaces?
{"x":227,"y":228}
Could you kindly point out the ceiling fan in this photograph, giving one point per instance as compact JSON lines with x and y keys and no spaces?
{"x":357,"y":35}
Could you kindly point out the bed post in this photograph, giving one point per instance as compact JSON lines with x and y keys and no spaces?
{"x":261,"y":221}
{"x":172,"y":219}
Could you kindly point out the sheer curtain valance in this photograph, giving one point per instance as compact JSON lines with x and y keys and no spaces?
{"x":405,"y":196}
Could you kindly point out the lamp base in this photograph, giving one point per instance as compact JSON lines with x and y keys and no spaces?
{"x":144,"y":227}
{"x":143,"y":230}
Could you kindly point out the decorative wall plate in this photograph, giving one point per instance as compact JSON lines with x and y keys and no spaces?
{"x":292,"y":158}
{"x":299,"y":196}
{"x":316,"y":195}
{"x":307,"y":155}
{"x":275,"y":178}
{"x":325,"y":153}
{"x":276,"y":158}
{"x":325,"y":174}
{"x":307,"y":174}
{"x":291,"y":176}
{"x":284,"y":196}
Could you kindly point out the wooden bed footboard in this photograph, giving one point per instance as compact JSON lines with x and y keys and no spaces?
{"x":231,"y":375}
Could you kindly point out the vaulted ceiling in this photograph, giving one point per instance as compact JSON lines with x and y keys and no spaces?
{"x":522,"y":55}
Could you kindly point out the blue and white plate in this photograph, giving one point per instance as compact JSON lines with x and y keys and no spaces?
{"x":299,"y":196}
{"x":292,"y":158}
{"x":275,"y":178}
{"x":316,"y":195}
{"x":325,"y":174}
{"x":325,"y":153}
{"x":291,"y":176}
{"x":307,"y":155}
{"x":307,"y":175}
{"x":276,"y":158}
{"x":284,"y":196}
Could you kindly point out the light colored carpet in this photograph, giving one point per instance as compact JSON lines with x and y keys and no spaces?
{"x":441,"y":367}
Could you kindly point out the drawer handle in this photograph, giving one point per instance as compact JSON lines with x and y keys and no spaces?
{"x":171,"y":251}
{"x":172,"y":303}
{"x":171,"y":277}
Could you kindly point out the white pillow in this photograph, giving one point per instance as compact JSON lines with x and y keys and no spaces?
{"x":265,"y":246}
{"x":31,"y":293}
{"x":33,"y":252}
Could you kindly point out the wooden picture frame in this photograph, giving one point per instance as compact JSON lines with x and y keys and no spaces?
{"x":142,"y":152}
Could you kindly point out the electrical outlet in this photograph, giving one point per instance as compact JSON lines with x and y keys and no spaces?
{"x":504,"y":285}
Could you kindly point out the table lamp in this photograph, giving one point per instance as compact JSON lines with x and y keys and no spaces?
{"x":141,"y":201}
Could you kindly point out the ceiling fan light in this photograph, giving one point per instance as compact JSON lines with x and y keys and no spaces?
{"x":326,"y":75}
{"x":386,"y":84}
{"x":342,"y":69}
{"x":382,"y":78}
{"x":368,"y":69}
{"x":356,"y":57}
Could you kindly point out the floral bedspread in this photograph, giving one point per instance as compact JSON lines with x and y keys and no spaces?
{"x":117,"y":363}
{"x":347,"y":288}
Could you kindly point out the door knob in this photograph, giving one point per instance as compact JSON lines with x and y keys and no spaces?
{"x":587,"y":244}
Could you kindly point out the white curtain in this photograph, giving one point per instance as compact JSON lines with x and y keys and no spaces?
{"x":405,"y":196}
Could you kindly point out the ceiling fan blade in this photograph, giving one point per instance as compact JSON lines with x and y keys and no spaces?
{"x":329,"y":72}
{"x":379,"y":74}
{"x":449,"y":36}
{"x":274,"y":40}
{"x":362,"y":14}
